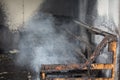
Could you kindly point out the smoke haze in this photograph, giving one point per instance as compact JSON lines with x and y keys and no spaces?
{"x":40,"y":44}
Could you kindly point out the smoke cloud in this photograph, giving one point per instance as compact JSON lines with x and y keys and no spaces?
{"x":41,"y":44}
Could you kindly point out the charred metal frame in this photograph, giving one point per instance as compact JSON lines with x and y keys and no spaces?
{"x":109,"y":39}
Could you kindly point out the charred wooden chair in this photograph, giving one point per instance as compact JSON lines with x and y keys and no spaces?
{"x":73,"y":71}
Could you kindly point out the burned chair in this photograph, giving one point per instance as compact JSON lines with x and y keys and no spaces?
{"x":75,"y":71}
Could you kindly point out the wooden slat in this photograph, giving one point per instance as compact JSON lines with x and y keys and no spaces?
{"x":79,"y":79}
{"x":102,"y":66}
{"x":113,"y":48}
{"x":55,"y":67}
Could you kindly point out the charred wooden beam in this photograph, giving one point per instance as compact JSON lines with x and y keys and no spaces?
{"x":68,"y":67}
{"x":80,"y":78}
{"x":112,"y":48}
{"x":93,"y":29}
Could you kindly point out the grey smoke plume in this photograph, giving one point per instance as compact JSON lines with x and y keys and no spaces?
{"x":41,"y":44}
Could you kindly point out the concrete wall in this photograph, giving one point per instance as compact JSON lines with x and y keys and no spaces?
{"x":13,"y":13}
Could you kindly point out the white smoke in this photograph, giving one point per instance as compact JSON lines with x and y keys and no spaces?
{"x":40,"y":44}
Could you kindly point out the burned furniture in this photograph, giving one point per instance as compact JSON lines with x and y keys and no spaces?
{"x":75,"y":71}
